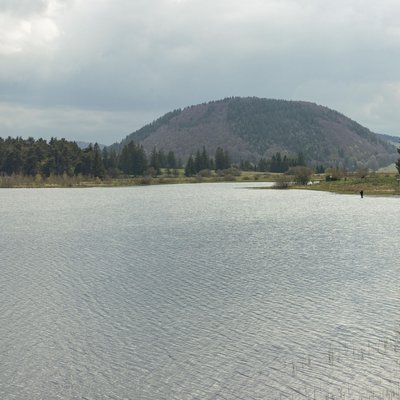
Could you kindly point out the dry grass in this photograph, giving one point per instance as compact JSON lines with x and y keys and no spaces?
{"x":375,"y":184}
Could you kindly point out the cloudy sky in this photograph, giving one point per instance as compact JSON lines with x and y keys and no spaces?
{"x":96,"y":70}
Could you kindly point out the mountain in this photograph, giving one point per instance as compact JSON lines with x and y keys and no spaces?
{"x":250,"y":128}
{"x":84,"y":145}
{"x":394,"y":140}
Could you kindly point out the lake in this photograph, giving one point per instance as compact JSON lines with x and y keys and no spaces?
{"x":205,"y":291}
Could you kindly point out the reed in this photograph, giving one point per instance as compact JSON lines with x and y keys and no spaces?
{"x":330,"y":374}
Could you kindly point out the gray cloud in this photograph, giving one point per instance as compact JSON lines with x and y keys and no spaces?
{"x":147,"y":57}
{"x":73,"y":123}
{"x":23,"y":7}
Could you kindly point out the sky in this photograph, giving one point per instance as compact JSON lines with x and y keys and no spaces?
{"x":97,"y":70}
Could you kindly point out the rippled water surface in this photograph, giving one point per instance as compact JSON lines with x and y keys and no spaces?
{"x":208,"y":291}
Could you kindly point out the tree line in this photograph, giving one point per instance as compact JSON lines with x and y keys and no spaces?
{"x":56,"y":157}
{"x":202,"y":161}
{"x":277,"y":163}
{"x":59,"y":156}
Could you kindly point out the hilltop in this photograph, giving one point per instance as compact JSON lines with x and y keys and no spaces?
{"x":251,"y":128}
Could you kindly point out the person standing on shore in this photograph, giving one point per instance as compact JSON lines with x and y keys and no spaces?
{"x":362,"y":193}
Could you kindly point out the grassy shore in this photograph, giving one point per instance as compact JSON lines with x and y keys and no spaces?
{"x":376,"y":184}
{"x":64,"y":181}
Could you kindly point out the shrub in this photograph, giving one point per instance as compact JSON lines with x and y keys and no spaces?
{"x":331,"y":178}
{"x":281,"y":185}
{"x":283,"y":182}
{"x":205,"y":173}
{"x":334,"y":174}
{"x":145,"y":180}
{"x":229,"y":171}
{"x":302,"y":175}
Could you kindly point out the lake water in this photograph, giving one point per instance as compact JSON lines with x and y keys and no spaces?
{"x":207,"y":291}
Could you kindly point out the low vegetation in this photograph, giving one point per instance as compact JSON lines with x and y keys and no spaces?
{"x":372,"y":184}
{"x":60,"y":163}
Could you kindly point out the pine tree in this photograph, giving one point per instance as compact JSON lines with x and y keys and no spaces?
{"x":106,"y":158}
{"x":205,"y":160}
{"x":98,"y":166}
{"x":263,"y":165}
{"x":85,"y":163}
{"x":124,"y":159}
{"x":171,"y":161}
{"x":222,"y":159}
{"x":190,"y":168}
{"x":133,"y":160}
{"x":112,"y":161}
{"x":300,"y":159}
{"x":198,"y":161}
{"x":162,"y":159}
{"x":139,"y":161}
{"x":155,"y":160}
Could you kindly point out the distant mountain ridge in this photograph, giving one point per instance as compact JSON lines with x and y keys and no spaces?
{"x":395,"y":140}
{"x":250,"y":128}
{"x":85,"y":145}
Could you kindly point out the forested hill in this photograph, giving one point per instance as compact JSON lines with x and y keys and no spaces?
{"x":252,"y":128}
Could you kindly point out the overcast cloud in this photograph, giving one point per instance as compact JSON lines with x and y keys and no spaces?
{"x":96,"y":70}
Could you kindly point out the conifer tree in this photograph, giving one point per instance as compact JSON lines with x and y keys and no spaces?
{"x":197,"y":161}
{"x":162,"y":159}
{"x":171,"y":161}
{"x":222,"y":159}
{"x":98,"y":166}
{"x":140,"y":161}
{"x":155,"y":160}
{"x":190,"y":168}
{"x":133,"y":160}
{"x":106,"y":158}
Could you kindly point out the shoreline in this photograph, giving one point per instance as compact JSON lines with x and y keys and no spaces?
{"x":374,"y":185}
